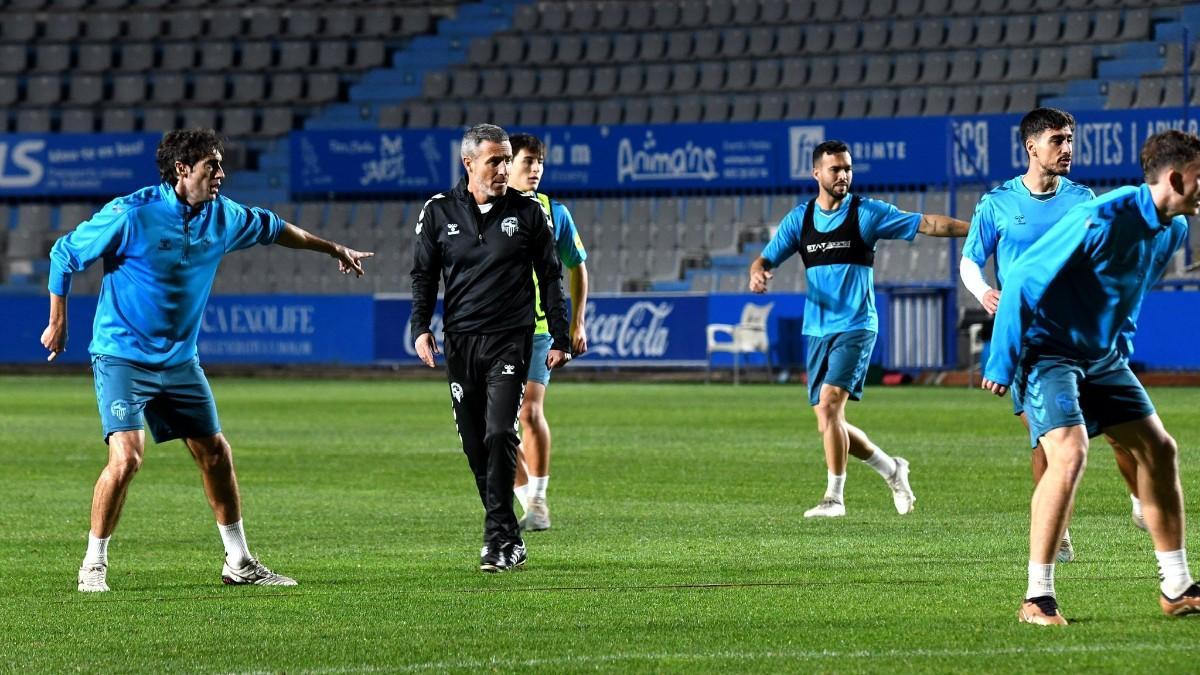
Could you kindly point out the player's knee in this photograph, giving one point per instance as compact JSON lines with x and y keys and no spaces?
{"x":531,"y":414}
{"x":1070,"y":458}
{"x":123,"y":465}
{"x":828,"y":412}
{"x":212,"y":454}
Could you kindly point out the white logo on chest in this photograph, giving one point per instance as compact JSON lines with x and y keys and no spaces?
{"x":509,"y":370}
{"x":451,"y":229}
{"x":509,"y":225}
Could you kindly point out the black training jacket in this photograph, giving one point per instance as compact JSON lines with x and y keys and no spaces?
{"x":486,"y":262}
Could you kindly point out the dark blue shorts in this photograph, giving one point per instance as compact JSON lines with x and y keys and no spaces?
{"x":175,"y":402}
{"x":1064,"y":392}
{"x":839,"y":360}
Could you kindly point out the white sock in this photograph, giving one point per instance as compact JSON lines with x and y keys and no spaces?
{"x":1137,"y":506}
{"x":97,"y":551}
{"x":234,"y":537}
{"x":539,"y":483}
{"x":1041,"y":580}
{"x":882,"y":463}
{"x":1173,"y":570}
{"x":833,"y":489}
{"x":522,"y":494}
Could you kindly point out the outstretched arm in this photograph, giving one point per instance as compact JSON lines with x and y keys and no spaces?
{"x":933,"y":225}
{"x":348,"y":259}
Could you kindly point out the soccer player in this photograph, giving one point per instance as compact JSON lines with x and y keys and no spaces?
{"x":484,"y":239}
{"x":1007,"y":221}
{"x":1057,"y":331}
{"x":161,"y":247}
{"x":533,"y":456}
{"x":835,"y":235}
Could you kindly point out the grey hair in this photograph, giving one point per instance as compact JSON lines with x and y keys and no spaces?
{"x":478,"y":134}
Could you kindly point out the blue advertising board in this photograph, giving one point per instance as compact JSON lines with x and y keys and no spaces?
{"x":634,"y":330}
{"x":51,"y":165}
{"x":763,"y":155}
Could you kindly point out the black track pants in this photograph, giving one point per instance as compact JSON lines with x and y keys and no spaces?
{"x":487,"y":381}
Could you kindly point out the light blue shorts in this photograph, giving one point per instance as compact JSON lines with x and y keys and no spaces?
{"x":839,"y":360}
{"x":175,"y":402}
{"x":538,"y":372}
{"x":1063,"y":392}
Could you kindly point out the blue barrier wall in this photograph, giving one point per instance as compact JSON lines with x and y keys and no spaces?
{"x":633,"y":330}
{"x":763,"y":155}
{"x":53,"y":165}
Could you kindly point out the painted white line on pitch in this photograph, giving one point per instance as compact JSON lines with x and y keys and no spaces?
{"x":799,"y":655}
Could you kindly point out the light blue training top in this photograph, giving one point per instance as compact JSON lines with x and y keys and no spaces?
{"x":160,"y":260}
{"x":1082,"y":283}
{"x":841,"y":297}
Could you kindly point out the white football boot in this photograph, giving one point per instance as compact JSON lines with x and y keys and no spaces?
{"x":902,"y":494}
{"x":255,"y":573}
{"x":93,"y":578}
{"x":828,"y":508}
{"x":537,"y":516}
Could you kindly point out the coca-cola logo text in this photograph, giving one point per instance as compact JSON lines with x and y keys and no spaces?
{"x":639,"y":332}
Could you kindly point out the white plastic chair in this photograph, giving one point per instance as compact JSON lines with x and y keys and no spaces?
{"x":747,"y":337}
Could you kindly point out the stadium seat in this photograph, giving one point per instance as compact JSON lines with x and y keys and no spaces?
{"x":551,"y":82}
{"x":558,"y":113}
{"x":43,"y":90}
{"x":873,"y":37}
{"x":9,"y":92}
{"x":217,"y":56}
{"x":711,"y":76}
{"x":597,"y":49}
{"x":333,"y":55}
{"x":1047,"y":29}
{"x":772,"y":107}
{"x":827,"y":105}
{"x":33,"y":121}
{"x":907,"y":69}
{"x":1050,"y":64}
{"x":237,"y":122}
{"x":63,"y":27}
{"x":1135,"y":26}
{"x":117,"y":120}
{"x":531,"y":113}
{"x":911,"y":102}
{"x":931,"y":34}
{"x":903,"y":35}
{"x":95,"y":58}
{"x":662,"y":110}
{"x":963,"y":67}
{"x":937,"y":101}
{"x":1149,"y":93}
{"x":625,"y":48}
{"x":767,"y":75}
{"x":1021,"y":63}
{"x":652,"y":47}
{"x":818,"y":39}
{"x":612,"y":111}
{"x":935,"y":69}
{"x":882,"y":103}
{"x":85,"y":90}
{"x":854,"y":104}
{"x":52,"y":58}
{"x":583,"y":112}
{"x":799,"y":106}
{"x":208,"y":89}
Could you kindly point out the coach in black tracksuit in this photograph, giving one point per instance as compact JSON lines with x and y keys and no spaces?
{"x":486,"y":240}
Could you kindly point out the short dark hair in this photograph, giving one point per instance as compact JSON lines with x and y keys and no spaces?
{"x":831,"y":147}
{"x":529,"y":142}
{"x":1043,"y":119}
{"x":185,"y":145}
{"x":1171,"y":149}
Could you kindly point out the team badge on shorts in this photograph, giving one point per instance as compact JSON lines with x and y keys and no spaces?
{"x":509,"y":225}
{"x":119,"y":409}
{"x":456,"y":391}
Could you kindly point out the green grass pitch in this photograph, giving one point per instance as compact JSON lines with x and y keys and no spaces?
{"x":678,"y":542}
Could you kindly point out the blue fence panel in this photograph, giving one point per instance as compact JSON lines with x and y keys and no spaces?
{"x":52,"y":165}
{"x":765,"y":155}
